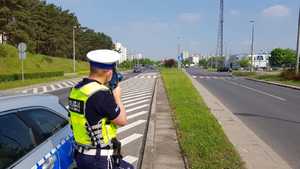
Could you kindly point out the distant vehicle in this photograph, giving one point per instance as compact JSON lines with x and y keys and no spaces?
{"x":34,"y":133}
{"x":224,"y":69}
{"x":137,"y":69}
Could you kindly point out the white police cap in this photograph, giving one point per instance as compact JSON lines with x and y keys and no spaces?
{"x":103,"y":58}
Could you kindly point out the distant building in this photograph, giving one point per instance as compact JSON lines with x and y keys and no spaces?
{"x":260,"y":60}
{"x":123,"y":51}
{"x":185,"y":54}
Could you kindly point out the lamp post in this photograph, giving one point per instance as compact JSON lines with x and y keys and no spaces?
{"x":298,"y":46}
{"x":74,"y":50}
{"x":252,"y":45}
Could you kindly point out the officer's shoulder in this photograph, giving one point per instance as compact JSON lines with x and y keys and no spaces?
{"x":102,"y":93}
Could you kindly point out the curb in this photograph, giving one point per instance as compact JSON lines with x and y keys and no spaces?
{"x":152,"y":111}
{"x":274,"y":83}
{"x":254,"y":152}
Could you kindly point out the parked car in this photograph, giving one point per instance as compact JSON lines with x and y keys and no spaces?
{"x":34,"y":133}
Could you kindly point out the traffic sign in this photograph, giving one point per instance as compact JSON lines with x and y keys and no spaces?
{"x":22,"y":47}
{"x":22,"y":55}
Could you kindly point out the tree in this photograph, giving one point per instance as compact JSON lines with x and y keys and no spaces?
{"x":244,"y":62}
{"x":169,"y":63}
{"x":283,"y":58}
{"x":203,"y":62}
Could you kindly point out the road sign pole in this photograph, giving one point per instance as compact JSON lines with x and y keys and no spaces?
{"x":22,"y":60}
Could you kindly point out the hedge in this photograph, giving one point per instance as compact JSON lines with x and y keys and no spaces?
{"x":18,"y":76}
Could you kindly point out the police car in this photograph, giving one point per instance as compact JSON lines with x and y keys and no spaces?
{"x":34,"y":133}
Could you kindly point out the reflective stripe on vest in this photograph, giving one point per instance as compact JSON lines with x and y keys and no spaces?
{"x":84,"y":134}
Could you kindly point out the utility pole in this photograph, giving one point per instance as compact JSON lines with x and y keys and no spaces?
{"x":220,"y":39}
{"x":298,"y":46}
{"x":179,"y":53}
{"x":252,"y":45}
{"x":74,"y":50}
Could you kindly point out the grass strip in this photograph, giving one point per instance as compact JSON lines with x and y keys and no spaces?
{"x":20,"y":83}
{"x":268,"y":77}
{"x":200,"y":135}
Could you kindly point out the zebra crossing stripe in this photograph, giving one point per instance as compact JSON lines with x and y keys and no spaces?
{"x":136,"y":108}
{"x":35,"y":90}
{"x":135,"y":96}
{"x":136,"y":92}
{"x":130,"y":159}
{"x":44,"y":89}
{"x":59,"y":86}
{"x":131,"y":125}
{"x":130,"y":138}
{"x":52,"y":87}
{"x":136,"y":115}
{"x":136,"y":103}
{"x":133,"y":100}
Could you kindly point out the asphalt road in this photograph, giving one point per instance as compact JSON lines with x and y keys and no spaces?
{"x":272,"y":112}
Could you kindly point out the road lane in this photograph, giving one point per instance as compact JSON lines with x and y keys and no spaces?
{"x":274,"y":120}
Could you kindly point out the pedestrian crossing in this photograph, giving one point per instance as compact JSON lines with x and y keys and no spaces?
{"x":137,"y":95}
{"x":147,"y":76}
{"x":51,"y":87}
{"x":216,"y":77}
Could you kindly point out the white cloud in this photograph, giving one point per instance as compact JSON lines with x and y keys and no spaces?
{"x":190,"y":18}
{"x":276,"y":11}
{"x":234,"y":12}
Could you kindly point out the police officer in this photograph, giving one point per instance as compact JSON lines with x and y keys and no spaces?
{"x":95,"y":112}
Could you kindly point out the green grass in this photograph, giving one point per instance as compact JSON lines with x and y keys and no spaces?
{"x":36,"y":63}
{"x":272,"y":77}
{"x":200,"y":135}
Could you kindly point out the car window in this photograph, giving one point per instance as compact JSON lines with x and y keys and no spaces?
{"x":46,"y":121}
{"x":16,"y":139}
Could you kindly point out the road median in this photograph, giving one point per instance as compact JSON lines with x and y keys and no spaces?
{"x":201,"y":137}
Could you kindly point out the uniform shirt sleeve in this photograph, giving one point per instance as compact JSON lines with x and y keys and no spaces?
{"x":110,"y":107}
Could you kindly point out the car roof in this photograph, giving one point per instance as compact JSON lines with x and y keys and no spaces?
{"x":8,"y":103}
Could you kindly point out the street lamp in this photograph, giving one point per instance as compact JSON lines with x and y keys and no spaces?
{"x":298,"y":46}
{"x":74,"y":50}
{"x":252,"y":44}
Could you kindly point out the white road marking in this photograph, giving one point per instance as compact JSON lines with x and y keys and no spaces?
{"x":24,"y":91}
{"x":52,"y":87}
{"x":131,"y":125}
{"x":136,"y":108}
{"x":131,"y":138}
{"x":136,"y":103}
{"x":136,"y":114}
{"x":133,"y":100}
{"x":148,"y":77}
{"x":257,"y":91}
{"x":136,"y":91}
{"x":194,"y":77}
{"x":130,"y":159}
{"x":66,"y":84}
{"x":44,"y":89}
{"x":135,"y":96}
{"x":35,"y":90}
{"x":59,"y":86}
{"x":142,"y":77}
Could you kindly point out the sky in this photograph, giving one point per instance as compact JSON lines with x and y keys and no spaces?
{"x":156,"y":27}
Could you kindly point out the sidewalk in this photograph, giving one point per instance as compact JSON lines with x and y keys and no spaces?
{"x":162,"y":149}
{"x":254,"y":152}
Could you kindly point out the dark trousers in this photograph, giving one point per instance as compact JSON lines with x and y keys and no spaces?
{"x":97,"y":162}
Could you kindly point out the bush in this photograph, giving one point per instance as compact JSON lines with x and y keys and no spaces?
{"x":244,"y":73}
{"x":289,"y":75}
{"x":18,"y":76}
{"x":169,"y":63}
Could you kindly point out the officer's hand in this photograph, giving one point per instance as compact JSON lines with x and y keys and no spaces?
{"x":117,"y":94}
